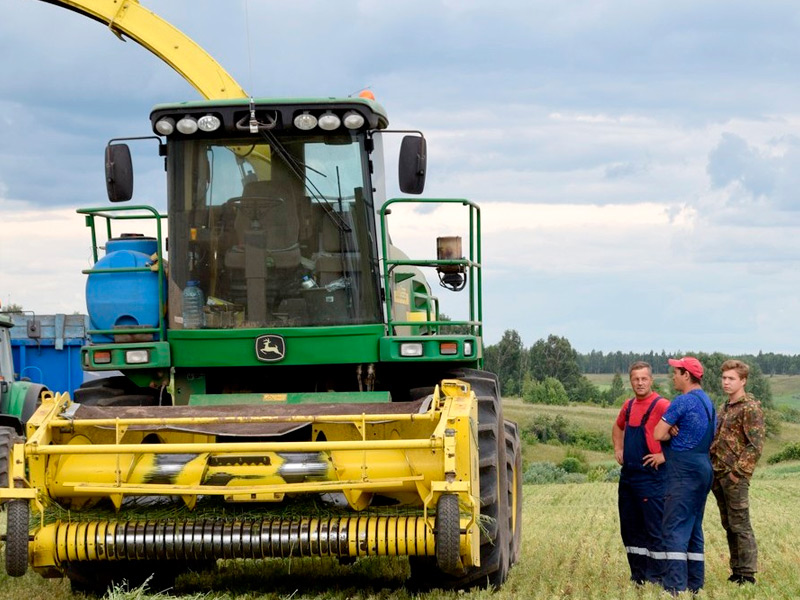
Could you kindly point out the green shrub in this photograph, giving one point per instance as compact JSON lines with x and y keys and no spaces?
{"x":558,"y":430}
{"x":592,"y":440}
{"x":549,"y":429}
{"x":613,"y":474}
{"x":788,"y":452}
{"x":572,"y":465}
{"x":789,"y":414}
{"x":772,"y":422}
{"x":539,"y":473}
{"x":549,"y":391}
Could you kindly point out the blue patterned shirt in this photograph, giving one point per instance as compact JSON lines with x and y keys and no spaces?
{"x":690,"y":412}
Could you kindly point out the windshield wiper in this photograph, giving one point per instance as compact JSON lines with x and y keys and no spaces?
{"x":296,"y":168}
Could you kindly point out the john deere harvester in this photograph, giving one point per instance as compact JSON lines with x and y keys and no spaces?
{"x":283,"y":381}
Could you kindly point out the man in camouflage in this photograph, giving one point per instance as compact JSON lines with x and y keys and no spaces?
{"x":735,"y":451}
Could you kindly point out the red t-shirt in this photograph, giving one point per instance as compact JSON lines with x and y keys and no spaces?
{"x":638,"y":409}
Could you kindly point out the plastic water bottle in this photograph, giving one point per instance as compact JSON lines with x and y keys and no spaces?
{"x":308,"y":282}
{"x":193,"y":301}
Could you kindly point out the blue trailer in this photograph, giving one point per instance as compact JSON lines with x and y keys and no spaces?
{"x":47,"y":349}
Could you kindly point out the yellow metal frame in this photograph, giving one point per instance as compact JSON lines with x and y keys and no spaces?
{"x":414,"y":458}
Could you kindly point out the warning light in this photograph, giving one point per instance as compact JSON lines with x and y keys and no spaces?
{"x":366,"y":94}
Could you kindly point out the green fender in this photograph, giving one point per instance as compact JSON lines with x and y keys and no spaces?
{"x":22,"y":399}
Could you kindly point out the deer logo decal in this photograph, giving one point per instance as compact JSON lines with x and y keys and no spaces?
{"x":270,"y":348}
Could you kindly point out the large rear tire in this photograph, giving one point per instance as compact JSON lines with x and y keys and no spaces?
{"x":514,"y":470}
{"x":17,"y":511}
{"x":495,"y":532}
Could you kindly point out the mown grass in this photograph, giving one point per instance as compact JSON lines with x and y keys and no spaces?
{"x":785,"y":390}
{"x":571,"y":547}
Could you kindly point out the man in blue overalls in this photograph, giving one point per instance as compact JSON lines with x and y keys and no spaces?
{"x":688,"y":427}
{"x":641,"y":482}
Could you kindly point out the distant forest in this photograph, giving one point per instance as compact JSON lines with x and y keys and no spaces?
{"x":551,"y":371}
{"x":618,"y":362}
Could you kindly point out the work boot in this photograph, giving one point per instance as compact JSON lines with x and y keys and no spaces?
{"x":741,"y":579}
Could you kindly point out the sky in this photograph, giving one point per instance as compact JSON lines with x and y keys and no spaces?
{"x":637,"y":163}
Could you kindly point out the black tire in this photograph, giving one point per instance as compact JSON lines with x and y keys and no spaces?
{"x":118,"y":391}
{"x":514,"y":469}
{"x":17,"y":531}
{"x":448,"y":535}
{"x":17,"y":511}
{"x":495,"y":533}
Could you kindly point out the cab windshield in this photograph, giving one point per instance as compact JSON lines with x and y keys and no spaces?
{"x":274,"y":233}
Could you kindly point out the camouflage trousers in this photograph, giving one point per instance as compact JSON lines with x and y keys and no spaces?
{"x":734,"y":509}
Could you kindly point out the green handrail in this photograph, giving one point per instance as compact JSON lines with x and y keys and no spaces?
{"x":472,"y":264}
{"x":151,"y":213}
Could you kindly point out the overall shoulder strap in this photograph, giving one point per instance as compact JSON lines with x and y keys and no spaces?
{"x":628,"y":405}
{"x":650,"y":409}
{"x":703,"y":403}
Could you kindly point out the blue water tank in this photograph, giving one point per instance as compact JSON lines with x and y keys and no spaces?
{"x":123,"y":299}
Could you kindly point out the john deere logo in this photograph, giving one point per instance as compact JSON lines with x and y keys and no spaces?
{"x":270,"y":348}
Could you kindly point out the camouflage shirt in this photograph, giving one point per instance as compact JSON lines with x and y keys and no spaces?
{"x":739,"y":438}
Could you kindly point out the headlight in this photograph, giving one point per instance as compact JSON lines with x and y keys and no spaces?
{"x":329,"y":121}
{"x":137,"y":357}
{"x":411,"y":349}
{"x":468,"y":348}
{"x":165,"y":126}
{"x":353,"y":120}
{"x":305,"y":121}
{"x":187,"y":125}
{"x":208,"y":123}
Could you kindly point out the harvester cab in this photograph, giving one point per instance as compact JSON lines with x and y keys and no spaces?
{"x":266,"y":342}
{"x":279,"y":257}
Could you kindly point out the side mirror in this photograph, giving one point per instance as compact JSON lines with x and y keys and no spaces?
{"x":412,"y":164}
{"x":119,"y":173}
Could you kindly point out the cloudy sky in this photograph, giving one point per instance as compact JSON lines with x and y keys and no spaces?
{"x":637,"y":163}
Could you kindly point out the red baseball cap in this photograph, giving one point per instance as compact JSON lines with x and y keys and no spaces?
{"x":690,"y":363}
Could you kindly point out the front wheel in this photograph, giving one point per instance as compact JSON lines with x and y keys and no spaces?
{"x":17,"y":511}
{"x":496,"y":535}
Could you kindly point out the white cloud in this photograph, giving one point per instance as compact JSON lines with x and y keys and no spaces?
{"x":636,"y":163}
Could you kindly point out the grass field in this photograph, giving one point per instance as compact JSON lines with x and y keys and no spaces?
{"x":571,"y":546}
{"x":785,"y":390}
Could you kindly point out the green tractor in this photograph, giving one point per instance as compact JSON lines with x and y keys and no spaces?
{"x":268,"y":350}
{"x":18,"y":398}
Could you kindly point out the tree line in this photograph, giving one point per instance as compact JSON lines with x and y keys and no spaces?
{"x":596,"y":361}
{"x":551,"y":371}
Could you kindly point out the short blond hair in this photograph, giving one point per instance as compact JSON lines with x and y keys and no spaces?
{"x":741,"y":368}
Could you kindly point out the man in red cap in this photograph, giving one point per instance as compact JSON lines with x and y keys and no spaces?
{"x":687,"y":428}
